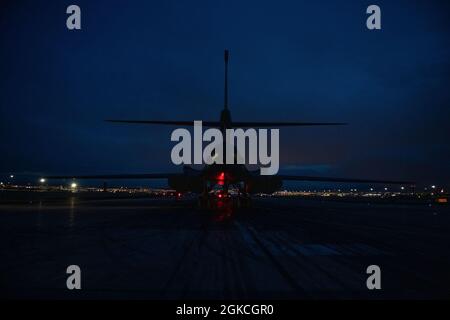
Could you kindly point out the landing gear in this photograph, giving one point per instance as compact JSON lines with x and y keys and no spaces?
{"x":209,"y":201}
{"x":244,"y":201}
{"x":224,"y":199}
{"x":204,"y":201}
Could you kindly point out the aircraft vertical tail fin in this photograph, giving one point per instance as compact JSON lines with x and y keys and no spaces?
{"x":225,"y":106}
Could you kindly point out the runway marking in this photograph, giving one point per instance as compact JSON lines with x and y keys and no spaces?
{"x":290,"y":280}
{"x":316,"y":250}
{"x":248,"y":239}
{"x":311,"y":249}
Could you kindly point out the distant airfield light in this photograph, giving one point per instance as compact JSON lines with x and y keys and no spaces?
{"x":73,"y":185}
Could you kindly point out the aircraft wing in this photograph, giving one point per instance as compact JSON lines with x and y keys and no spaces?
{"x":330,"y":179}
{"x":234,"y":124}
{"x":117,"y":176}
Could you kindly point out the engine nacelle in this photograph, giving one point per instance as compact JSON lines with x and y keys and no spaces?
{"x":182,"y":183}
{"x":264,"y":184}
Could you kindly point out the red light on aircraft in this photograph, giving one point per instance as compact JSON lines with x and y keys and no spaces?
{"x":221,"y":178}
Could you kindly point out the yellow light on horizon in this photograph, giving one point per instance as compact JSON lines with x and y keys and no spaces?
{"x":73,"y":185}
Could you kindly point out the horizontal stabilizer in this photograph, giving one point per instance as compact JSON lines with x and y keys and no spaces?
{"x":169,"y":123}
{"x":234,"y":124}
{"x":284,"y":124}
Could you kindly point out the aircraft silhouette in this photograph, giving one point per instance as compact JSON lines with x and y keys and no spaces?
{"x":226,"y":175}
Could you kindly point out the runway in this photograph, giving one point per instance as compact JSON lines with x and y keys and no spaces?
{"x":167,"y":249}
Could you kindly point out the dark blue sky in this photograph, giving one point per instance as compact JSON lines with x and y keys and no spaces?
{"x":296,"y":60}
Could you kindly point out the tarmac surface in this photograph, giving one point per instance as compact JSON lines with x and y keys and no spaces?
{"x":279,"y":249}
